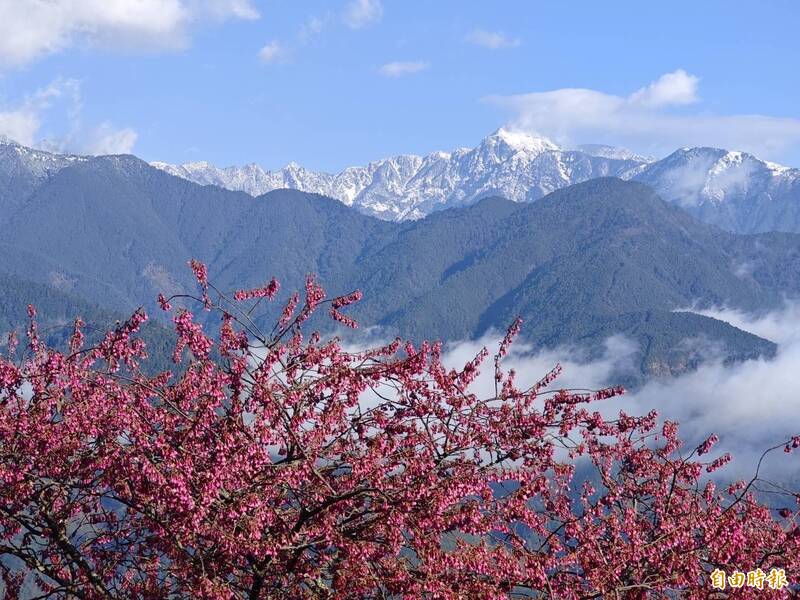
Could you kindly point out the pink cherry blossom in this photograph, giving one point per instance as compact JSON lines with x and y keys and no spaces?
{"x":288,"y":467}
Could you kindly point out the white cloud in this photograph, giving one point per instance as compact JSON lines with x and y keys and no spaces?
{"x":361,"y":13}
{"x":31,"y":29}
{"x":654,"y":119}
{"x":400,"y":68}
{"x":276,"y":51}
{"x":237,"y":9}
{"x":272,"y":52}
{"x":23,"y":121}
{"x":751,"y":405}
{"x":492,"y":39}
{"x":677,"y":87}
{"x":311,"y":28}
{"x":19,"y":125}
{"x":27,"y":123}
{"x":782,"y":326}
{"x":106,"y":139}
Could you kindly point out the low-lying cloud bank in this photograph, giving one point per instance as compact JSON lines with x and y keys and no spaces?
{"x":750,"y":405}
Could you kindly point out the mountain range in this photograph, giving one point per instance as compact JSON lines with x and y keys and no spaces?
{"x":583,"y":263}
{"x":508,"y":164}
{"x":733,"y":190}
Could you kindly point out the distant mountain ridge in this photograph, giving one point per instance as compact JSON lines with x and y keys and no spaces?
{"x":23,"y":169}
{"x":733,"y":190}
{"x":584,"y":263}
{"x":513,"y":165}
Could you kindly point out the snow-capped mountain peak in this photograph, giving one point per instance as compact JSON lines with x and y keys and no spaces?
{"x":728,"y":188}
{"x":519,"y":141}
{"x":508,"y":163}
{"x":694,"y":176}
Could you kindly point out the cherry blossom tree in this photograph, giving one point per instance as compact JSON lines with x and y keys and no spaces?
{"x":280,"y":465}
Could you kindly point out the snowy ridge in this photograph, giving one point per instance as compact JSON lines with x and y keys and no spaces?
{"x":34,"y":163}
{"x":695,"y":177}
{"x":731,"y":189}
{"x":511,"y":164}
{"x":522,"y":168}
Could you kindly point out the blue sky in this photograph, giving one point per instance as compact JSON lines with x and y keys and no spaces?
{"x":332,"y":84}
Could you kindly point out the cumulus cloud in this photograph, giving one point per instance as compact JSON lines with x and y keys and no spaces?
{"x":492,"y":39}
{"x":656,"y":118}
{"x":677,"y":87}
{"x":272,"y":52}
{"x":31,"y":29}
{"x":400,"y":68}
{"x":22,"y":122}
{"x":106,"y":139}
{"x":101,"y":139}
{"x":19,"y":125}
{"x":361,"y":13}
{"x":26,"y":123}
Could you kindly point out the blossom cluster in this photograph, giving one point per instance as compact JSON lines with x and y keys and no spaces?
{"x":284,"y":466}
